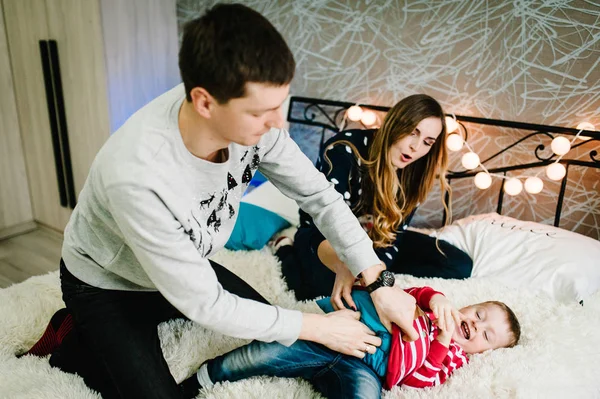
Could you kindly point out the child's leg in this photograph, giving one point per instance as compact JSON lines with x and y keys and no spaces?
{"x":333,"y":374}
{"x":348,"y":378}
{"x":302,"y":359}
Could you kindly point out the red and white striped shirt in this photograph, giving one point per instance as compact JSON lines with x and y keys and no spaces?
{"x":424,"y":362}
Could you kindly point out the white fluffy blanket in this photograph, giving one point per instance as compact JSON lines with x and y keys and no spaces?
{"x":557,"y":357}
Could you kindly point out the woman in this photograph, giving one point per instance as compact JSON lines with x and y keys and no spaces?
{"x":383,"y":175}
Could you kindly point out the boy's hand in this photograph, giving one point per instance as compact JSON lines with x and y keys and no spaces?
{"x":445,"y":334}
{"x":444,"y":311}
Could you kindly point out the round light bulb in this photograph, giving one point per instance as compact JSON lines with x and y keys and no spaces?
{"x":513,"y":186}
{"x":454,"y":142}
{"x":470,"y":160}
{"x":354,"y":113}
{"x":585,"y":126}
{"x":451,"y":124}
{"x":368,"y":118}
{"x":483,"y":180}
{"x":556,"y":171}
{"x":534,"y":185}
{"x":560,"y":145}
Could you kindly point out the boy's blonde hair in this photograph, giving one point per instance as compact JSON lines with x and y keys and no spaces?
{"x":513,"y":323}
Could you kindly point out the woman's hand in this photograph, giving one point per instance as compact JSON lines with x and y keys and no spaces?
{"x":340,"y":331}
{"x":344,"y":280}
{"x":342,"y":288}
{"x":444,"y":311}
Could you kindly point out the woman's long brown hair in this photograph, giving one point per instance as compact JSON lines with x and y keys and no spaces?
{"x":388,"y":194}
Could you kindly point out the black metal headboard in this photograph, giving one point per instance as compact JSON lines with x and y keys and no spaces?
{"x":329,"y":116}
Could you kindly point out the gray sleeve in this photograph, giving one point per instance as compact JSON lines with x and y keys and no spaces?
{"x":294,"y":175}
{"x":185,"y":278}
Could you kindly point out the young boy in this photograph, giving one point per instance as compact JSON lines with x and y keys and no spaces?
{"x":446,"y":338}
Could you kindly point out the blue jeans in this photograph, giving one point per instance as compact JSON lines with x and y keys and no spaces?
{"x":332,"y":374}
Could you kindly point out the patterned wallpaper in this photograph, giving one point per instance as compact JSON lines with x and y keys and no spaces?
{"x":525,"y":60}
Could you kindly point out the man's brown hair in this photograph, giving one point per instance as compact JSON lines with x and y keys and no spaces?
{"x":229,"y":46}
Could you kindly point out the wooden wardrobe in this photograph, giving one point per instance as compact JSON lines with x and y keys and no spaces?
{"x":79,"y":69}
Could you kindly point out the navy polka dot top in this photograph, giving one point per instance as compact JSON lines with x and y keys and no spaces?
{"x":346,"y":173}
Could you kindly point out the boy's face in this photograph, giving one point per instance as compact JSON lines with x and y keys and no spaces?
{"x":484,"y":326}
{"x":245,"y":120}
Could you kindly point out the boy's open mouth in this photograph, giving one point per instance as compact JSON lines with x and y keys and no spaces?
{"x":465,"y":330}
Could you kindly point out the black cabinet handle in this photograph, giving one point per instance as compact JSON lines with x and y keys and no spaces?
{"x":62,"y":123}
{"x":50,"y":102}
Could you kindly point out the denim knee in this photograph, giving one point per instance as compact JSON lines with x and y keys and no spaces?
{"x":350,"y":378}
{"x":366,"y":385}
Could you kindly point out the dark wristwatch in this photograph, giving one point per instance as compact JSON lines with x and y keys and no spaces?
{"x":385,"y":279}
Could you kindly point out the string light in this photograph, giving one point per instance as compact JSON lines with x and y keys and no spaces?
{"x":483,"y":180}
{"x":585,"y":126}
{"x":451,"y":124}
{"x":470,"y":160}
{"x":368,"y":118}
{"x":556,"y":171}
{"x":534,"y":185}
{"x":560,"y":145}
{"x":454,"y":142}
{"x":354,"y":113}
{"x":513,"y":186}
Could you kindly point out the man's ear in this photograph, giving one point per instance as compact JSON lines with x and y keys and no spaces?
{"x":202,"y":101}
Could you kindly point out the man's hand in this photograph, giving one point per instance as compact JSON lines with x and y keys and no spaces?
{"x":340,"y":331}
{"x":394,"y":305}
{"x":342,"y":288}
{"x":444,"y":311}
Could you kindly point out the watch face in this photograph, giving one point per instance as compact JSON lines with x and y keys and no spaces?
{"x":387,"y":278}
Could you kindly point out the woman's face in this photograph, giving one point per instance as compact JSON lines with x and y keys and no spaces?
{"x":416,"y":144}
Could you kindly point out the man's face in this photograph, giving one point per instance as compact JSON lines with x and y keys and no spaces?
{"x":484,"y":326}
{"x":246,"y":119}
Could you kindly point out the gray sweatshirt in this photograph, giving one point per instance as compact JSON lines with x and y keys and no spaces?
{"x":150,"y":213}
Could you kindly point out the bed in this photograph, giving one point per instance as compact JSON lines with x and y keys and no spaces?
{"x":549,"y":275}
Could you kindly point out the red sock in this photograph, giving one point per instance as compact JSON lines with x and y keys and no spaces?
{"x":61,"y":324}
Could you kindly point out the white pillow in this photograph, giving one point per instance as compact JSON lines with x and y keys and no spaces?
{"x":529,"y":255}
{"x":269,"y":197}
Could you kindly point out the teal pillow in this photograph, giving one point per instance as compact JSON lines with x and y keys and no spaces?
{"x":254,"y":228}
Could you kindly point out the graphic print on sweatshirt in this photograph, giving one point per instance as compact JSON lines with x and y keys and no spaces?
{"x":215,"y":209}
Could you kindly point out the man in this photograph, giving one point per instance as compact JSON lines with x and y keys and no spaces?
{"x":162,"y":196}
